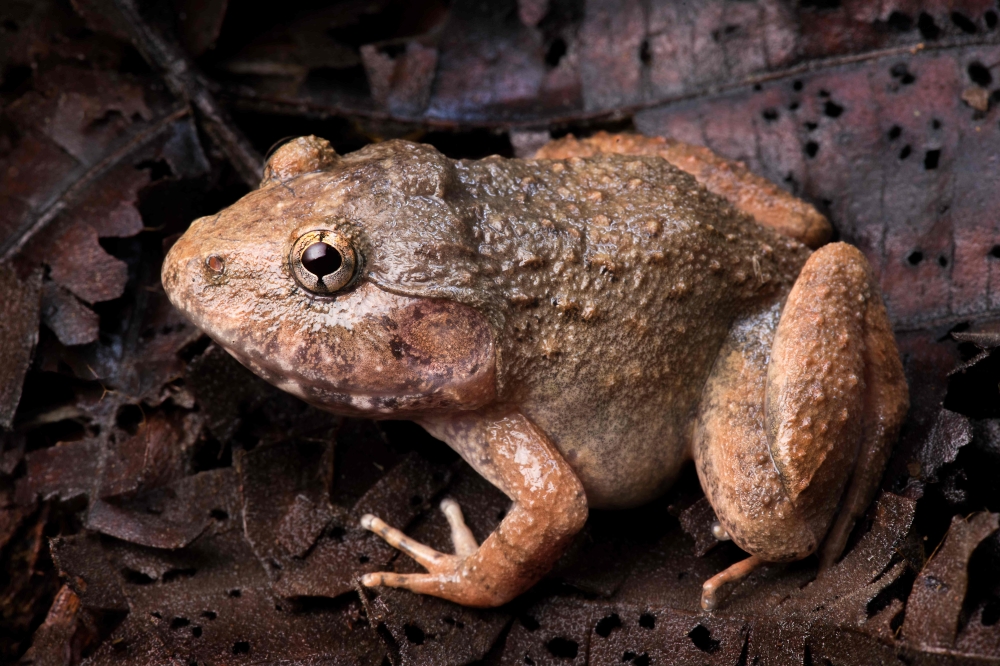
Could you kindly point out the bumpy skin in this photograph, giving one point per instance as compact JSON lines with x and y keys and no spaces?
{"x":576,"y":329}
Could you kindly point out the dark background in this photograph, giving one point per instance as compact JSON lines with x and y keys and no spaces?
{"x":159,"y":504}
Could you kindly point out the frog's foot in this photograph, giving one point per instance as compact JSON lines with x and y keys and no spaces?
{"x":735,"y":573}
{"x":442,"y":566}
{"x":461,"y":537}
{"x":549,"y":508}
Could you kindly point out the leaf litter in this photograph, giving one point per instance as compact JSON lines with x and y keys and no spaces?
{"x":158,"y":503}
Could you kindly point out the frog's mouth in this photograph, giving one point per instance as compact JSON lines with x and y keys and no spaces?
{"x":365,"y":353}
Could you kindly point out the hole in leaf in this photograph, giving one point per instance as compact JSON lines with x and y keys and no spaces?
{"x":645,"y":54}
{"x":210,"y":615}
{"x":562,"y":648}
{"x":905,"y":152}
{"x":364,"y":559}
{"x":901,"y":71}
{"x":927,"y":27}
{"x":241,"y":647}
{"x":607,"y":624}
{"x":832,"y":109}
{"x":555,"y":52}
{"x":414,"y":634}
{"x":796,"y":86}
{"x":995,"y":251}
{"x":219,"y":514}
{"x":196,"y":631}
{"x":991,"y":19}
{"x":943,"y":261}
{"x":915,"y":257}
{"x":179,"y":622}
{"x":128,"y":418}
{"x":935,"y":124}
{"x":980,"y":74}
{"x":647,"y":621}
{"x":812,"y":148}
{"x":770,"y":115}
{"x":931,"y":158}
{"x":235,"y":593}
{"x":702,"y":639}
{"x":963,"y":22}
{"x":894,"y":132}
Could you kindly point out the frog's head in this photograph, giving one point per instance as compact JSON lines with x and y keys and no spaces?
{"x":348,"y":281}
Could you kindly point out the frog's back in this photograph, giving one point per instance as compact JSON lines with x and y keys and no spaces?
{"x":620,"y":277}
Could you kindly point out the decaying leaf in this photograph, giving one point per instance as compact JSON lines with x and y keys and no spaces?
{"x":199,"y":515}
{"x":18,"y":334}
{"x":932,"y":612}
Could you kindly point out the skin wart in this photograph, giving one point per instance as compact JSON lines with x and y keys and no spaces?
{"x":576,"y":326}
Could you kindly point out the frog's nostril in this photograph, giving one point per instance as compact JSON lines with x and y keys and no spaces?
{"x":215,"y":264}
{"x":321,"y":259}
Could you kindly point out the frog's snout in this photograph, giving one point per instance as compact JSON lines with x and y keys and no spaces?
{"x":187,"y":269}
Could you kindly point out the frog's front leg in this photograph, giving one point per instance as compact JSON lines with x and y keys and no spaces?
{"x":550,"y":507}
{"x":795,"y":428}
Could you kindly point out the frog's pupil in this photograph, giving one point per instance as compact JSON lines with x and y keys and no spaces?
{"x":321,"y":259}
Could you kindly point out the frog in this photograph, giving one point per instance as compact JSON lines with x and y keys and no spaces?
{"x":578,"y":326}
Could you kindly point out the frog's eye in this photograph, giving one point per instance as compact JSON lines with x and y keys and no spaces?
{"x":323,"y":261}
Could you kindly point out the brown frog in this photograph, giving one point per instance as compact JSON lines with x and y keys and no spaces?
{"x":576,"y":326}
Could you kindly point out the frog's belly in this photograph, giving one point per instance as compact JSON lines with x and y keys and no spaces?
{"x":622,"y":463}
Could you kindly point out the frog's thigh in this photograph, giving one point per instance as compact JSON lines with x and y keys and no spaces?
{"x":779,"y":441}
{"x":886,"y":399}
{"x":731,"y":451}
{"x":767,"y":203}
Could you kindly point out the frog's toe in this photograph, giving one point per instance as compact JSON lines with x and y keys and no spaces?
{"x":737,"y":572}
{"x":461,"y":536}
{"x":427,"y":557}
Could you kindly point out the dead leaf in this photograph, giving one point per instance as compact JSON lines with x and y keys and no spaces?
{"x":932,"y":612}
{"x":19,"y":312}
{"x":71,"y":321}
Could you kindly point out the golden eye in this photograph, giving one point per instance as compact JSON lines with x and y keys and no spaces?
{"x":323,"y":261}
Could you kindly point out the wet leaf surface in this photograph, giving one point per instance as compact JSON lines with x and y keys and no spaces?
{"x":161,"y":504}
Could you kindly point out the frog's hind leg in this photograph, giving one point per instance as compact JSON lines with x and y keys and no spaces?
{"x":886,"y":404}
{"x":767,"y":203}
{"x":787,"y":424}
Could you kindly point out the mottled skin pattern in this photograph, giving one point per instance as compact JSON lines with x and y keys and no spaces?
{"x":576,"y":329}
